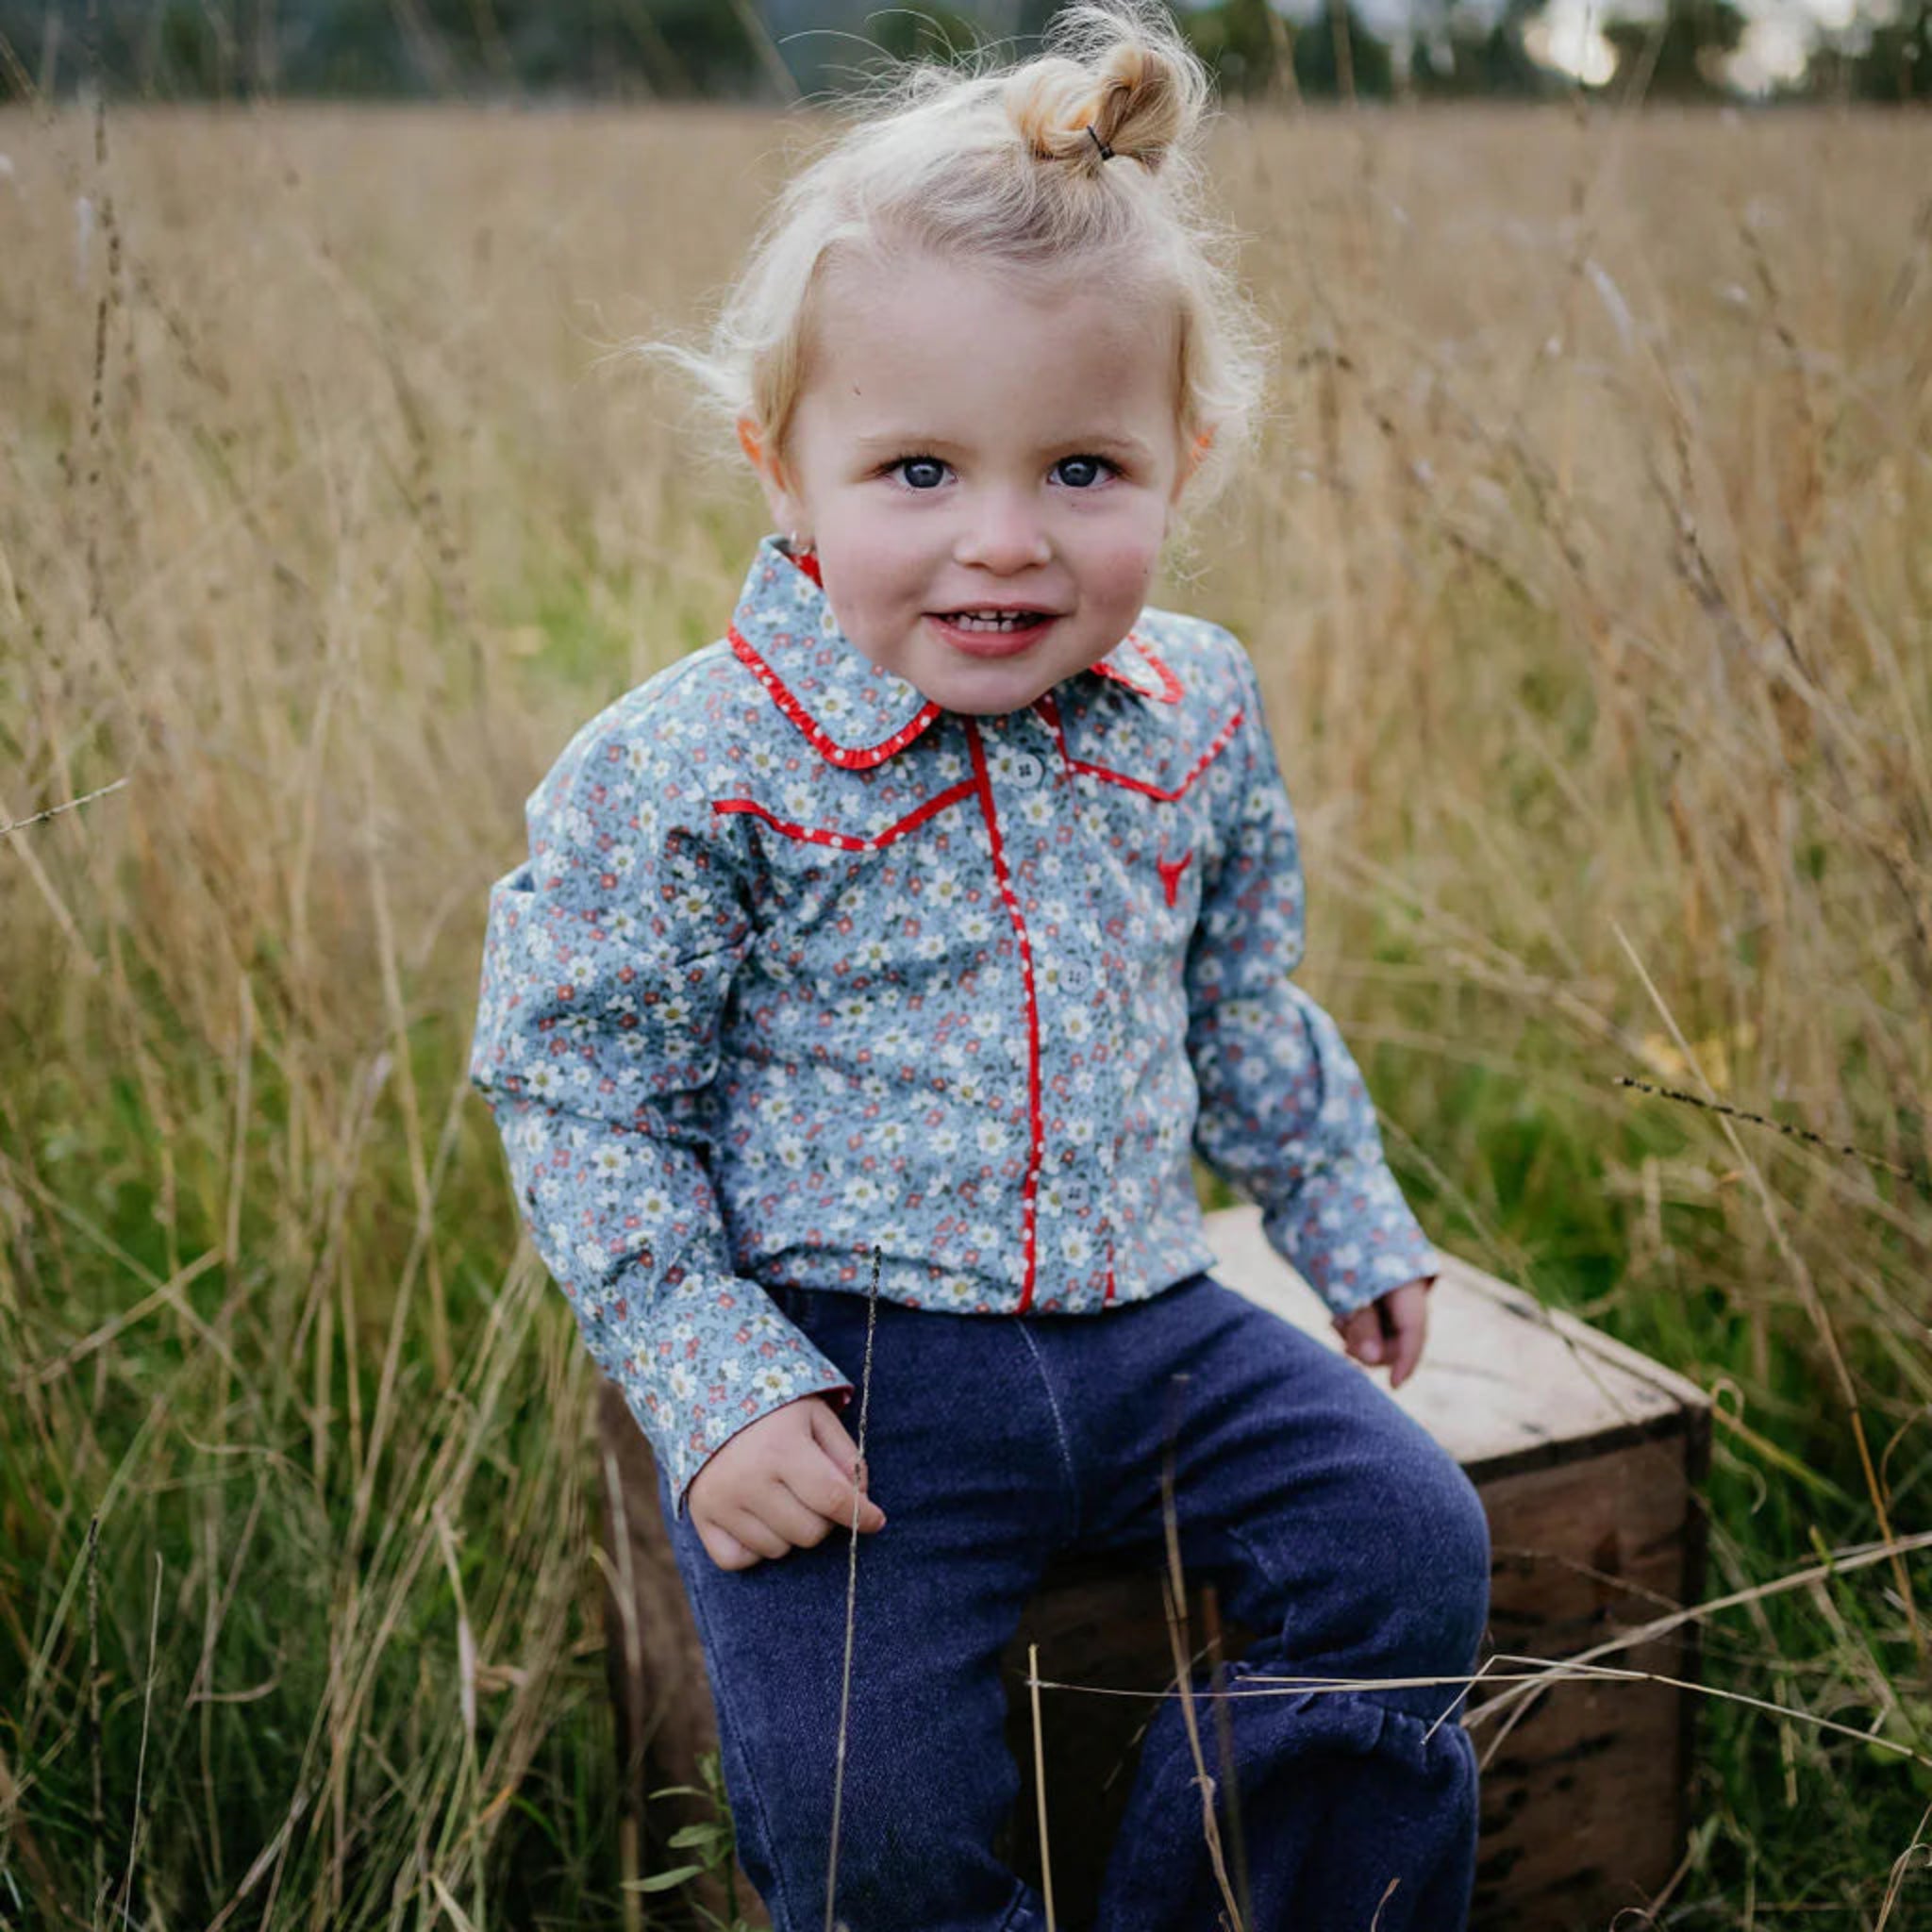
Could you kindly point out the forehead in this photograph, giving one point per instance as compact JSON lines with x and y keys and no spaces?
{"x":911,"y":327}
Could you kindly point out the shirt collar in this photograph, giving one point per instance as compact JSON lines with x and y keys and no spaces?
{"x":853,"y":713}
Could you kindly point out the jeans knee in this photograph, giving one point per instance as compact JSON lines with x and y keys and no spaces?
{"x":1461,"y":1563}
{"x":1431,"y":1575}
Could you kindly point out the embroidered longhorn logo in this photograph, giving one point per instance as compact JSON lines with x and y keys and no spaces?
{"x":1170,"y":871}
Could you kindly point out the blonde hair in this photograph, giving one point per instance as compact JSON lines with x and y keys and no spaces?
{"x":999,"y":165}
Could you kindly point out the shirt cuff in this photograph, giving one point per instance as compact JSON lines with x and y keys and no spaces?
{"x":1351,"y":1235}
{"x":694,"y":1458}
{"x":692,"y":1385}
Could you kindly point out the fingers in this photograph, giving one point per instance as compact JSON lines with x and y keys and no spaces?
{"x":742,"y":1536}
{"x":753,"y":1527}
{"x":825,"y":1489}
{"x":797,"y":1521}
{"x":1409,"y":1316}
{"x":828,"y":1432}
{"x":1388,"y":1331}
{"x":827,"y":1484}
{"x":1408,"y":1350}
{"x":1361,"y":1333}
{"x":722,"y":1547}
{"x":737,"y":1535}
{"x":778,"y":1524}
{"x":795,"y":1514}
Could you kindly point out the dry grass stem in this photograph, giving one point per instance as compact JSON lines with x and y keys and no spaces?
{"x":1174,"y":1602}
{"x":55,"y":810}
{"x":1584,"y":566}
{"x":871,"y":1315}
{"x":1039,"y":1780}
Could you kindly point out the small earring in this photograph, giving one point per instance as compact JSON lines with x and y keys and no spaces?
{"x":801,"y":546}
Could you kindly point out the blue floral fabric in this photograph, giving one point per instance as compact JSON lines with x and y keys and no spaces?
{"x":801,"y":964}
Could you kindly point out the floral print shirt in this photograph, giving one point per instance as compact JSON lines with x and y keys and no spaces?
{"x":801,"y":964}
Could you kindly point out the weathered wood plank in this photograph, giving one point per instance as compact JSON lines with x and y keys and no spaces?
{"x":1505,"y":1383}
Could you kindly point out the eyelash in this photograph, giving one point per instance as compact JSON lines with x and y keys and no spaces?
{"x":1104,"y":463}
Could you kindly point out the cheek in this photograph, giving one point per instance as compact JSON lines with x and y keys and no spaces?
{"x":1126,"y":566}
{"x":869,"y":590}
{"x":873,"y":564}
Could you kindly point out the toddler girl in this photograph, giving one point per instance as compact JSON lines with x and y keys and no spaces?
{"x":947,"y":907}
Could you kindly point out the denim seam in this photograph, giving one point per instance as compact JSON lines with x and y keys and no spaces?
{"x":1058,"y":1424}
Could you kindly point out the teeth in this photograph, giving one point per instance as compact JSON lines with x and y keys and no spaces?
{"x":1014,"y":620}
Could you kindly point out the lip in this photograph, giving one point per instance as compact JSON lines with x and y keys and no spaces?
{"x":993,"y":644}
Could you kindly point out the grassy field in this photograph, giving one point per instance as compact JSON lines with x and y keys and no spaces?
{"x":1589,"y":564}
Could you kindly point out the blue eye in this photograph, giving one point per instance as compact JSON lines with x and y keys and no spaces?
{"x":908,"y":464}
{"x":912,"y":471}
{"x":1099,"y":465}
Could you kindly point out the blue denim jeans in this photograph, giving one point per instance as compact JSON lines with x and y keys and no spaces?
{"x":1334,"y":1524}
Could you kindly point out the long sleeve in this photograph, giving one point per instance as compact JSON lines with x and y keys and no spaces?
{"x":1284,"y":1112}
{"x":607,"y":966}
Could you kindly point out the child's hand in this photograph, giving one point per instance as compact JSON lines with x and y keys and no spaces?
{"x":1391,"y":1329}
{"x":784,"y":1482}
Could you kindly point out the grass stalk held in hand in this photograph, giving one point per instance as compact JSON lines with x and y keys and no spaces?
{"x":871,"y":1316}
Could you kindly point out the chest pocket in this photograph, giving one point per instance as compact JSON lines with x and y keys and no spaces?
{"x":1148,"y":795}
{"x":1164,"y":769}
{"x":838,"y":903}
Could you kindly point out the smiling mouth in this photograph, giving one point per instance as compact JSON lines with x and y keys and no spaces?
{"x":991,"y":633}
{"x":995,"y":621}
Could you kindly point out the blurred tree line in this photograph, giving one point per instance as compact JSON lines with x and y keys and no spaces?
{"x":772,"y":49}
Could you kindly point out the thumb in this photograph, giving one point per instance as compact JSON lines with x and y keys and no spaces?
{"x":830,"y":1435}
{"x":1361,"y":1333}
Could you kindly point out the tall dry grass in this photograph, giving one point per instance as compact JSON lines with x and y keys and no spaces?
{"x":1590,"y":568}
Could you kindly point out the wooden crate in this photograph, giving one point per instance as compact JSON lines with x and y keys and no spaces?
{"x":1588,"y":1459}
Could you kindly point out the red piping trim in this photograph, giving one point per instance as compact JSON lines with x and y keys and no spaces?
{"x":1051,"y":712}
{"x":853,"y":759}
{"x":1170,"y":691}
{"x":846,"y":842}
{"x":1028,"y":1192}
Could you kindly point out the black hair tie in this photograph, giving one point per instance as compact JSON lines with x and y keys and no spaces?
{"x":1106,"y":152}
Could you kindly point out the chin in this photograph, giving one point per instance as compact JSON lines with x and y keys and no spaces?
{"x":983,"y":698}
{"x":983,"y":708}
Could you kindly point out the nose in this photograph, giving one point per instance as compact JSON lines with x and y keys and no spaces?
{"x":1003,"y":532}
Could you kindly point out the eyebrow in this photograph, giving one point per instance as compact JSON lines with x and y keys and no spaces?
{"x":1098,"y":439}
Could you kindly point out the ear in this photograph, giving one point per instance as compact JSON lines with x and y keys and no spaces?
{"x":787,"y":511}
{"x":1192,"y":462}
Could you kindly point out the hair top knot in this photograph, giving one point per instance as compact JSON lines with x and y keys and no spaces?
{"x":1114,"y":81}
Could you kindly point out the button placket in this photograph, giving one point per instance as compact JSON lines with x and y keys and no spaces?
{"x":1029,"y":770}
{"x":987,"y":747}
{"x":1014,"y":764}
